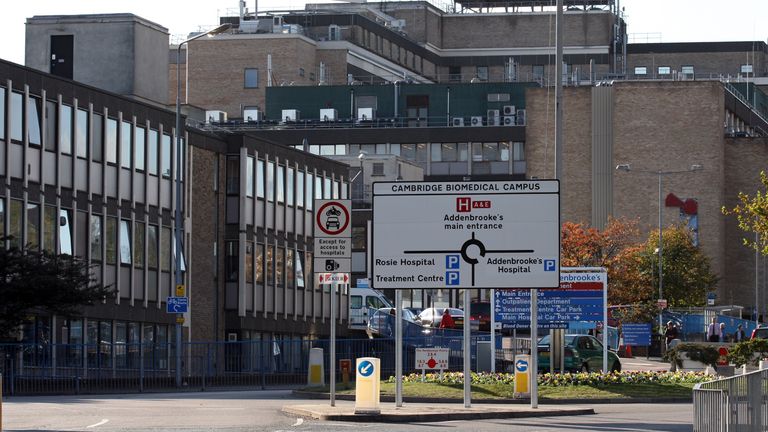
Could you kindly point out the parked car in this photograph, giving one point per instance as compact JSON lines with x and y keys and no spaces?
{"x":415,"y":310}
{"x":382,"y":324}
{"x":431,"y":317}
{"x":582,"y":353}
{"x":760,"y":333}
{"x":481,"y":311}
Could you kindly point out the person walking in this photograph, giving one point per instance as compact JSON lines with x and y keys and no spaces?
{"x":723,"y":334}
{"x":739,"y":336}
{"x":446,"y":321}
{"x":713,"y":331}
{"x":670,"y":333}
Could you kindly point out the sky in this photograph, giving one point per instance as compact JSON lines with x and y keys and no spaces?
{"x":647,"y":20}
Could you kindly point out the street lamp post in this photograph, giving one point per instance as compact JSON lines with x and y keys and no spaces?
{"x":177,"y":223}
{"x":660,"y":174}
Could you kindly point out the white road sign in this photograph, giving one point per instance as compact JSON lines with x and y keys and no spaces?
{"x":432,"y":358}
{"x":333,"y":243}
{"x":494,"y":234}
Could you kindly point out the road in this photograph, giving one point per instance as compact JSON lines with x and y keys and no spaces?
{"x":260,"y":411}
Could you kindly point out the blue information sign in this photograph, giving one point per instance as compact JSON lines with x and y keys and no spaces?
{"x":636,"y":334}
{"x":556,"y":307}
{"x":177,"y":305}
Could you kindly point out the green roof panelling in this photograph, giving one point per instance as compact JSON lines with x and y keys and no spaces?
{"x":466,"y":99}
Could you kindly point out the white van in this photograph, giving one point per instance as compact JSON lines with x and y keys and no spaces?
{"x":363,"y":302}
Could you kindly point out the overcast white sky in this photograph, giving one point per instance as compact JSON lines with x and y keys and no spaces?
{"x":662,"y":20}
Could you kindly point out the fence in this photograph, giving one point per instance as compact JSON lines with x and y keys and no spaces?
{"x":111,"y":368}
{"x":732,"y":404}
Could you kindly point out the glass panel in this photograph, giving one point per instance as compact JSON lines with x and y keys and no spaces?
{"x":140,"y":146}
{"x":111,"y":140}
{"x":233,"y":175}
{"x":270,"y":265}
{"x":436,"y":151}
{"x":152,"y":246}
{"x":17,"y":121}
{"x":260,"y":179}
{"x":504,"y":151}
{"x":33,"y":126}
{"x":14,"y":230}
{"x":249,"y":261}
{"x":270,"y":181}
{"x":65,"y":232}
{"x":290,"y":276}
{"x":96,"y":238}
{"x":341,"y":149}
{"x":125,"y":242}
{"x":327,"y":188}
{"x":231,"y":261}
{"x":98,"y":138}
{"x":300,"y":188}
{"x":165,"y":249}
{"x":2,"y":113}
{"x":308,"y":270}
{"x":50,"y":125}
{"x":280,"y":266}
{"x":49,"y":228}
{"x":251,"y":78}
{"x":249,"y":177}
{"x":280,"y":181}
{"x":289,"y":187}
{"x":2,"y":213}
{"x":126,"y":132}
{"x":308,"y":189}
{"x":65,"y":129}
{"x":105,"y":343}
{"x":138,"y":244}
{"x":81,"y":133}
{"x":318,"y":187}
{"x":152,"y":151}
{"x":260,"y":264}
{"x":166,"y":156}
{"x":408,"y":151}
{"x":111,"y":237}
{"x":519,"y":151}
{"x":33,"y":226}
{"x":299,"y":262}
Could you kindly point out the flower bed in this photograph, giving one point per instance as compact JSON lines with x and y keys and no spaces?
{"x":567,"y":379}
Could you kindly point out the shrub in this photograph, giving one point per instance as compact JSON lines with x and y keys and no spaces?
{"x":748,"y":352}
{"x":706,"y":354}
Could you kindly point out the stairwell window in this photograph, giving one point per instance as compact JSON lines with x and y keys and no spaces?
{"x":641,"y":71}
{"x":664,"y":70}
{"x":251,"y":78}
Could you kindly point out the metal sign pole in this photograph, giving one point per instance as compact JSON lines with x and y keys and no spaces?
{"x":534,"y":362}
{"x":605,"y":326}
{"x":398,"y":348}
{"x":493,"y":331}
{"x":467,"y":361}
{"x":332,"y":361}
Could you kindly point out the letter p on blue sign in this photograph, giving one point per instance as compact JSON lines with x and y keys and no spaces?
{"x":451,"y":278}
{"x":549,"y":265}
{"x":452,"y":262}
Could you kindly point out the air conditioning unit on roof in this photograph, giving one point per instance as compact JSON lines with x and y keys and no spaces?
{"x":493,"y":118}
{"x":215,"y":116}
{"x":520,"y":118}
{"x":251,"y":115}
{"x":328,"y":114}
{"x":508,"y":110}
{"x":457,"y":122}
{"x":365,"y":114}
{"x":476,"y":121}
{"x":290,"y":115}
{"x":508,"y":120}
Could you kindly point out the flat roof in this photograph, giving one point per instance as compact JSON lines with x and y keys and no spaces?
{"x":94,"y":18}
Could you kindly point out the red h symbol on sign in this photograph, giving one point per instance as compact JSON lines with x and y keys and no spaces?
{"x":463,"y":204}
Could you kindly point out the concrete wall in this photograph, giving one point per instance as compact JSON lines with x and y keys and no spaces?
{"x":150,"y":63}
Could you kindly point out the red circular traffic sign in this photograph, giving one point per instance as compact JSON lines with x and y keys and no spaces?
{"x":331,"y":225}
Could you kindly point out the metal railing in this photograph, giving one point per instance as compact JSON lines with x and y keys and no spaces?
{"x":737,"y":403}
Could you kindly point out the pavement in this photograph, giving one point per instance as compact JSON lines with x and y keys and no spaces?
{"x":429,"y":412}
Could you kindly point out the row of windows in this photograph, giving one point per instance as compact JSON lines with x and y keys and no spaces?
{"x":279,"y":265}
{"x":68,"y":129}
{"x":41,"y":226}
{"x":685,"y":70}
{"x":287,"y":185}
{"x":438,"y":152}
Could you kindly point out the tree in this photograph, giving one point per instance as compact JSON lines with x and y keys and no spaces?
{"x":752,"y":215}
{"x":38,"y":282}
{"x":686,"y":270}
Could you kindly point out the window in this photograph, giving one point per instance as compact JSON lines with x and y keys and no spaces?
{"x":249,"y":262}
{"x":318,"y":187}
{"x":138,"y":245}
{"x":378,"y":169}
{"x":290,"y":276}
{"x":308,"y":270}
{"x":140,"y":143}
{"x":49,"y":228}
{"x":125,"y":242}
{"x":126,"y":132}
{"x":537,"y":71}
{"x":33,"y":226}
{"x":260,"y":179}
{"x":335,"y":190}
{"x":96,"y":241}
{"x":664,"y":70}
{"x":111,"y":237}
{"x":299,"y":189}
{"x":14,"y":230}
{"x":454,"y":73}
{"x":97,"y":149}
{"x":111,"y":140}
{"x":2,"y":213}
{"x":518,"y":151}
{"x":641,"y":70}
{"x":270,"y":265}
{"x":165,"y":249}
{"x":301,"y":71}
{"x":482,"y":73}
{"x":2,"y":114}
{"x":33,"y":118}
{"x":308,"y":189}
{"x":230,"y":261}
{"x":289,"y":187}
{"x":280,"y":266}
{"x":152,"y":152}
{"x":249,"y":177}
{"x":65,"y":232}
{"x":17,"y":114}
{"x":358,"y":238}
{"x":504,"y":151}
{"x":687,"y":70}
{"x":152,"y":246}
{"x":280,"y":181}
{"x":81,"y":133}
{"x":260,"y":264}
{"x":65,"y":129}
{"x":50,"y":125}
{"x":746,"y":69}
{"x":327,"y":193}
{"x":166,"y":156}
{"x":233,"y":175}
{"x":299,"y":270}
{"x":251,"y":78}
{"x":270,"y":181}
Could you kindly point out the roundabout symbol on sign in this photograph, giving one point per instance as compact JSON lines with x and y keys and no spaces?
{"x":332,"y":218}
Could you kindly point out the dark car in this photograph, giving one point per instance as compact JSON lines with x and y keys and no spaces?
{"x":760,"y":333}
{"x":481,"y":312}
{"x":382,"y":324}
{"x":582,"y":353}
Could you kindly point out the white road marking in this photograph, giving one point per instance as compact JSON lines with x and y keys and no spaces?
{"x":97,"y":424}
{"x":299,"y":421}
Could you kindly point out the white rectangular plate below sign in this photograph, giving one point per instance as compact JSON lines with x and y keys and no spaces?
{"x":332,"y":278}
{"x":333,"y":265}
{"x":432,"y":358}
{"x":491,"y":234}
